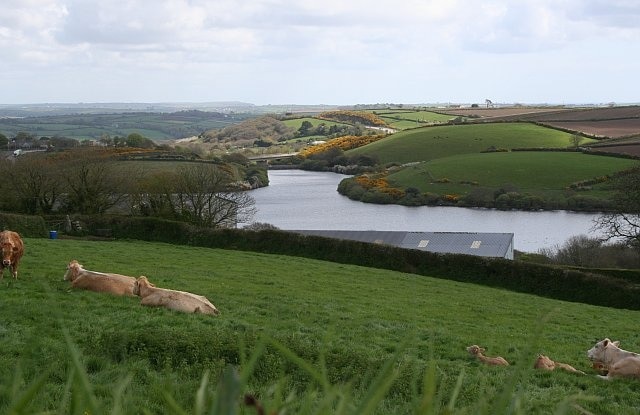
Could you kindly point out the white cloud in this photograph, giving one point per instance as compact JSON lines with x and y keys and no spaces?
{"x":252,"y":42}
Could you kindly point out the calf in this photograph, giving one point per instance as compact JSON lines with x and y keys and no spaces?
{"x":618,"y":362}
{"x":98,"y":281}
{"x":494,"y":361}
{"x":545,"y":363}
{"x":12,"y":251}
{"x":175,"y":300}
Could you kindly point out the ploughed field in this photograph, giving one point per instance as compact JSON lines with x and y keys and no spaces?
{"x":610,"y":122}
{"x":306,"y":336}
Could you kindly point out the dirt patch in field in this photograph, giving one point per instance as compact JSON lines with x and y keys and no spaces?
{"x":604,"y":128}
{"x":629,"y":149}
{"x":499,"y":112}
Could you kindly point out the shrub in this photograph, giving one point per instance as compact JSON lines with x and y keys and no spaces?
{"x":26,"y":225}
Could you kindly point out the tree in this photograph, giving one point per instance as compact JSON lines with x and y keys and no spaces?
{"x":624,"y":223}
{"x":34,"y":181}
{"x":304,"y":128}
{"x":139,"y":141}
{"x":94,"y":183}
{"x":4,"y":141}
{"x":575,"y":140}
{"x":201,"y":194}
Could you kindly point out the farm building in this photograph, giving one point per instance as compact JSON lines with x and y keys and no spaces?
{"x":494,"y":245}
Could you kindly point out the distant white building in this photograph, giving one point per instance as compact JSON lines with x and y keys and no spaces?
{"x":493,"y":245}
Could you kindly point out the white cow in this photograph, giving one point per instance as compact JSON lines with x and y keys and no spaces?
{"x":175,"y":300}
{"x":620,"y":363}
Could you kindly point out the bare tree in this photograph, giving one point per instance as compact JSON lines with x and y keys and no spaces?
{"x":575,"y":140}
{"x":202,"y":194}
{"x":624,"y":223}
{"x":94,"y":182}
{"x":34,"y":182}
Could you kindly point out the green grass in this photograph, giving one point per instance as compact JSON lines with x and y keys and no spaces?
{"x":430,"y":143}
{"x":306,"y":336}
{"x":528,"y":171}
{"x":297,"y":122}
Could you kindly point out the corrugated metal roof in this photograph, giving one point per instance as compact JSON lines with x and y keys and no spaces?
{"x":499,"y":245}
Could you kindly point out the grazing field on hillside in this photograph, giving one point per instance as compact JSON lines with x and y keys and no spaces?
{"x":544,"y":173}
{"x":297,"y":122}
{"x":442,"y":141}
{"x":306,"y":336}
{"x":404,"y":119}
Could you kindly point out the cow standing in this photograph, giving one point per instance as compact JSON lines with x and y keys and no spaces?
{"x":12,"y":251}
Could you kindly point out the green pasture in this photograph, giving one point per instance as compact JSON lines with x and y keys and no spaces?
{"x":411,"y":119}
{"x":156,"y":126}
{"x":295,"y":123}
{"x":529,"y":171}
{"x":431,"y":143}
{"x":305,"y":336}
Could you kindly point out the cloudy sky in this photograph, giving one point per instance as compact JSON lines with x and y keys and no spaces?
{"x":320,"y":52}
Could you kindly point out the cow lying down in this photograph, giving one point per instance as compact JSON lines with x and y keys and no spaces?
{"x":545,"y":363}
{"x":98,"y":281}
{"x":618,"y":362}
{"x":175,"y":300}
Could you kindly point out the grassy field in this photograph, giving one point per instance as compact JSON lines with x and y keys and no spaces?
{"x":403,"y":119}
{"x":156,"y":126}
{"x":430,"y":143}
{"x":535,"y":172}
{"x":306,"y":336}
{"x":297,"y":122}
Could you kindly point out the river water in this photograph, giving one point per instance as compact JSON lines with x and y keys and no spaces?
{"x":297,"y":199}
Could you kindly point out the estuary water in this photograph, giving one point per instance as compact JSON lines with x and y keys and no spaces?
{"x":297,"y":199}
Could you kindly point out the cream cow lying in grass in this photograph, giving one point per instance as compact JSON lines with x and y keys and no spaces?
{"x":546,"y":363}
{"x":98,"y":281}
{"x":619,"y":362}
{"x":175,"y":300}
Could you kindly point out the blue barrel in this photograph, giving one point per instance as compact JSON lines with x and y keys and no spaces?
{"x":53,"y":234}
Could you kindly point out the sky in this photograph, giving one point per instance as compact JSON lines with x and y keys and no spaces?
{"x":333,"y":52}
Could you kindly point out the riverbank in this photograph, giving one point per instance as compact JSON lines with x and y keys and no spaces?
{"x":298,"y":199}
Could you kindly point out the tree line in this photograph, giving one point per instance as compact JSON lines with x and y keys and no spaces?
{"x":90,"y":181}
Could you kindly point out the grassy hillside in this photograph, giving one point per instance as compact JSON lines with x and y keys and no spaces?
{"x":156,"y":126}
{"x":442,"y":141}
{"x":297,"y":122}
{"x":403,"y":119}
{"x":535,"y":172}
{"x":346,"y":323}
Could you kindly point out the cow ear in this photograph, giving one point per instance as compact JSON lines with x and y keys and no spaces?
{"x":616,"y":343}
{"x":605,"y":342}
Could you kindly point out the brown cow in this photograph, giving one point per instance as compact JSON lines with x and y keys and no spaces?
{"x":98,"y":281}
{"x":175,"y":300}
{"x":12,"y":251}
{"x":478,"y":351}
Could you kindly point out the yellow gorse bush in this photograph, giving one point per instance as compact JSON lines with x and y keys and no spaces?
{"x":345,"y":143}
{"x":365,"y":118}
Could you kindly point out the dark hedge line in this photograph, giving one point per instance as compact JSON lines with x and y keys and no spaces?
{"x":27,"y":226}
{"x":539,"y":279}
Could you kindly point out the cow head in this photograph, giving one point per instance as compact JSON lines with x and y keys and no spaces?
{"x":474,"y":350}
{"x":543,"y":362}
{"x":598,"y":352}
{"x":141,"y":283}
{"x":8,"y":250}
{"x":73,"y":268}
